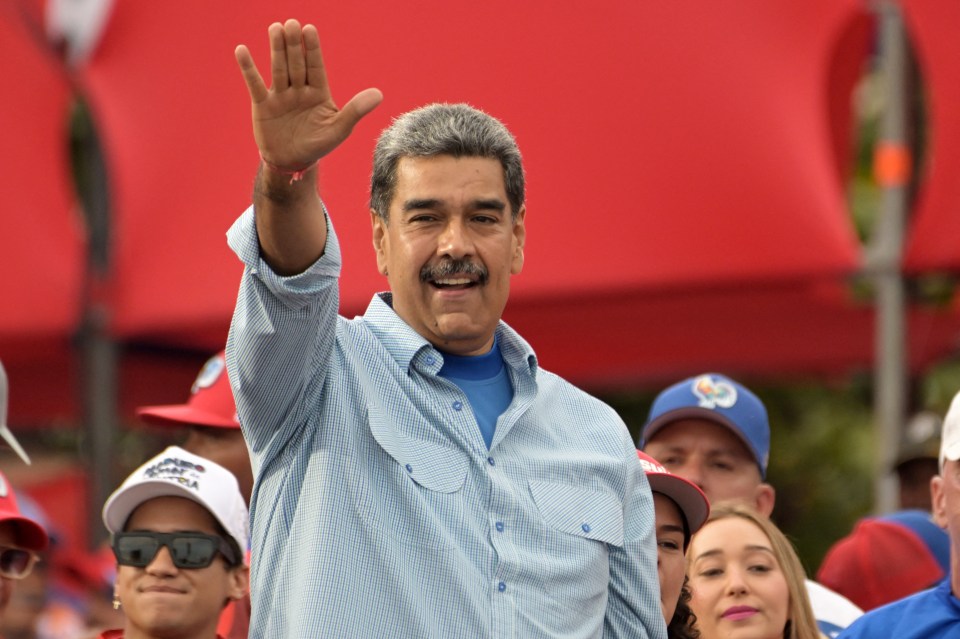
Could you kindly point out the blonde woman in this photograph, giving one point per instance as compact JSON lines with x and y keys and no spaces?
{"x":746,"y":579}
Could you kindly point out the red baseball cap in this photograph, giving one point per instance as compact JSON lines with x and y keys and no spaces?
{"x":689,"y":498}
{"x":210,"y":405}
{"x":29,"y":534}
{"x":883,"y":560}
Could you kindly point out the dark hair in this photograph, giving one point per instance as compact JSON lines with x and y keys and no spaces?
{"x":459,"y":130}
{"x":684,"y":622}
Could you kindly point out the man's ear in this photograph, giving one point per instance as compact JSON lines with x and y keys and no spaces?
{"x":239,"y":585}
{"x":519,"y":239}
{"x":380,"y":240}
{"x":765,"y":498}
{"x":939,"y":498}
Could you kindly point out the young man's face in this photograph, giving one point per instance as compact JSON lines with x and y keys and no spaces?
{"x":447,"y":212}
{"x":671,"y":564}
{"x":712,"y":457}
{"x":163,"y":600}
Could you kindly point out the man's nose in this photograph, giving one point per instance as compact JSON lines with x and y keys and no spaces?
{"x":455,"y":239}
{"x":162,"y":563}
{"x":691,"y":470}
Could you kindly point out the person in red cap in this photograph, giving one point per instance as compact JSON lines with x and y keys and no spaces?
{"x":680,"y":508}
{"x":210,"y":419}
{"x":886,"y":558}
{"x":213,"y":432}
{"x":20,"y":541}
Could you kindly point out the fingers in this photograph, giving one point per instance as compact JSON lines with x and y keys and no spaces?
{"x":296,"y":59}
{"x":360,"y":105}
{"x":255,"y":84}
{"x":296,"y":66}
{"x":316,"y":71}
{"x":279,"y":78}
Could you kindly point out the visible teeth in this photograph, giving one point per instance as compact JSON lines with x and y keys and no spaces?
{"x":456,"y":282}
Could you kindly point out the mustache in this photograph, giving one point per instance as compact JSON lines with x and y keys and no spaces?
{"x":448,"y":267}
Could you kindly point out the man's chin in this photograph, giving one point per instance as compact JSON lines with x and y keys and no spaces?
{"x":461,"y":336}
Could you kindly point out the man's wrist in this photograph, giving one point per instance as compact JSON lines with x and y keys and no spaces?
{"x":294,"y":174}
{"x":278,"y":187}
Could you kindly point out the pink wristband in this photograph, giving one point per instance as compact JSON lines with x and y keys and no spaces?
{"x":295,"y":176}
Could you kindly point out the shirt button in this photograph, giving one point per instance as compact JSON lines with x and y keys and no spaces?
{"x":458,"y":405}
{"x":409,"y":468}
{"x":499,"y":526}
{"x":501,"y":586}
{"x":430,"y":360}
{"x":586,"y":528}
{"x":491,"y":462}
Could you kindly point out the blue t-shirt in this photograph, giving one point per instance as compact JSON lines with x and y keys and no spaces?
{"x":930,"y":614}
{"x":484,"y":380}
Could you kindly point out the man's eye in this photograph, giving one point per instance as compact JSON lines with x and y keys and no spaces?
{"x":668,"y":544}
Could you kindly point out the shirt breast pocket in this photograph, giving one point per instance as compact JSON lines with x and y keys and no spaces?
{"x":578,"y":524}
{"x":413,"y":490}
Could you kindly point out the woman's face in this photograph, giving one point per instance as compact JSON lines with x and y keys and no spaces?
{"x":671,"y":566}
{"x":739,"y":589}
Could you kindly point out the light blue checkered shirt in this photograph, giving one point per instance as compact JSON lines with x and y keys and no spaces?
{"x":378,"y":510}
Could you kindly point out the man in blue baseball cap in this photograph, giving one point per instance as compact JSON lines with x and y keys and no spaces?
{"x":714,"y":432}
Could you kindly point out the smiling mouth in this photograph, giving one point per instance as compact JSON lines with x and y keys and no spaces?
{"x":739,"y":612}
{"x":456,"y":274}
{"x":454,"y":283}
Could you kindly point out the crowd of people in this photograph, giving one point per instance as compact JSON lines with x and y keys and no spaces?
{"x":415,"y":472}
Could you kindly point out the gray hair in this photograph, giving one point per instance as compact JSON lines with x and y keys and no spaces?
{"x":459,"y":130}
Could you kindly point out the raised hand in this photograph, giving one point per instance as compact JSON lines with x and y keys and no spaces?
{"x":295,"y":121}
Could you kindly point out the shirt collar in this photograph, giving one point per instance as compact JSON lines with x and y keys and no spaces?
{"x":404,"y":344}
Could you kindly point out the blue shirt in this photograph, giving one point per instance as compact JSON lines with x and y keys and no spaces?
{"x":930,"y":614}
{"x":379,"y":512}
{"x":484,"y":380}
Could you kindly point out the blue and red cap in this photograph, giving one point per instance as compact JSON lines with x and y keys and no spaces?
{"x":886,"y":558}
{"x":718,"y":399}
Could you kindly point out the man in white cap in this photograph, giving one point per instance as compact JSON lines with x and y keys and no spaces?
{"x":21,"y":539}
{"x":179,"y":526}
{"x":932,"y":613}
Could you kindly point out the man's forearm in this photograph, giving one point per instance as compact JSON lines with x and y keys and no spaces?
{"x":291,"y":227}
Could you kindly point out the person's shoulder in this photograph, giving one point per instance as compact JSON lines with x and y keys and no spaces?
{"x":925,"y":615}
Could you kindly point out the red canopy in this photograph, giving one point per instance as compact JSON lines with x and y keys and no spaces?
{"x":686,"y":169}
{"x":665,"y":147}
{"x":933,"y":243}
{"x":40,"y":229}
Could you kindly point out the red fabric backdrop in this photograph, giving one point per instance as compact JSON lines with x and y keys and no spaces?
{"x":686,"y":176}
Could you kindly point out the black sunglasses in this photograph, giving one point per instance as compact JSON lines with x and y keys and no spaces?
{"x":16,"y":563}
{"x":187,"y":549}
